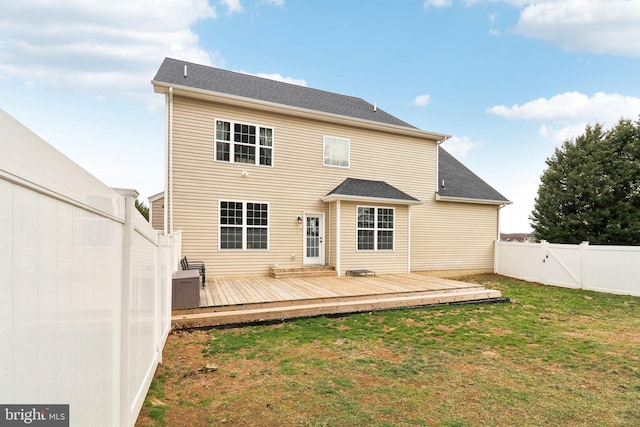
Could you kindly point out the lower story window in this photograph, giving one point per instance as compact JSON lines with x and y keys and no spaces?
{"x":375,"y":228}
{"x":244,"y":225}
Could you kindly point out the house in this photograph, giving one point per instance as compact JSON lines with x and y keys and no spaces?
{"x":518,"y":237}
{"x":156,"y":211}
{"x":262,"y":173}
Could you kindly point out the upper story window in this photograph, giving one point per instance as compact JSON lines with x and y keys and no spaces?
{"x":375,"y":228}
{"x":336,"y":151}
{"x":243,"y":143}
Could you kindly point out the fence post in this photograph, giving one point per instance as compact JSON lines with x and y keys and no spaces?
{"x":165,"y":270}
{"x":158,"y":294}
{"x":584,"y":264}
{"x":127,"y":242}
{"x":544,"y":254}
{"x":496,"y":250}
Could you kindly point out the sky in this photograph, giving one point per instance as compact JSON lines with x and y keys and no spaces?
{"x":509,"y":80}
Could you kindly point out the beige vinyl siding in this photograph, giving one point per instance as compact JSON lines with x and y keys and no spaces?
{"x":444,"y":235}
{"x":157,"y":214}
{"x":454,"y":236}
{"x":380,"y":261}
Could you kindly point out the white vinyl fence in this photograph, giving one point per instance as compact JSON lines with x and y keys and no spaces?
{"x":613,"y":269}
{"x":85,"y":286}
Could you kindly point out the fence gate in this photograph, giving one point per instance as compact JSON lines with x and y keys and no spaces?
{"x":614,"y":269}
{"x":562,"y":265}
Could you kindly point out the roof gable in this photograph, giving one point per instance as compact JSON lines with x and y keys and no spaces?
{"x":456,"y":181}
{"x":172,"y":72}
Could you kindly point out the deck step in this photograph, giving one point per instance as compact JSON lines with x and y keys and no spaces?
{"x":297,"y":309}
{"x":311,"y":271}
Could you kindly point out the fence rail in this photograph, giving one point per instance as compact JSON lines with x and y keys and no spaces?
{"x":85,"y":286}
{"x":613,"y":269}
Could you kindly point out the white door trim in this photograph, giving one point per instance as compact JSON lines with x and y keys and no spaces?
{"x":315,"y":240}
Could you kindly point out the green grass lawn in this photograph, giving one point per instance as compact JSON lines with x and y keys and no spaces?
{"x":550,"y":357}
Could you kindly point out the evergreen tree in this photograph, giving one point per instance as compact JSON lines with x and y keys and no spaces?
{"x":143,"y":209}
{"x":590,"y":190}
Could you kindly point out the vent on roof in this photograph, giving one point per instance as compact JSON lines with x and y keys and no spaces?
{"x":442,"y":184}
{"x":375,"y":107}
{"x":185,"y":70}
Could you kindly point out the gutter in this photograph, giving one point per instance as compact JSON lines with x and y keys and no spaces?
{"x":502,"y":203}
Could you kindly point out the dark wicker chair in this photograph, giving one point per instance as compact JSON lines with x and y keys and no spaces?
{"x":194,"y":265}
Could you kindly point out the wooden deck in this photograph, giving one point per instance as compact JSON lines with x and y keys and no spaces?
{"x":247,"y":299}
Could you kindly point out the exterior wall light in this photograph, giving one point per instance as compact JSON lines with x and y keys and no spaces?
{"x":299,"y":219}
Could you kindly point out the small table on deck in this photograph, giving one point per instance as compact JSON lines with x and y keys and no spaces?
{"x":355,"y":273}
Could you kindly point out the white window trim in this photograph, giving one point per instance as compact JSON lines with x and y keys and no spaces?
{"x":244,"y":225}
{"x":324,"y":144}
{"x":376,"y":229}
{"x":232,"y":143}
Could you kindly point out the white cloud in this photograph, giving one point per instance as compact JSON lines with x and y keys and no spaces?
{"x":233,"y":6}
{"x":280,"y":78}
{"x":596,"y":26}
{"x":459,"y":146}
{"x":278,"y":3}
{"x":102,"y":48}
{"x":421,"y":100}
{"x":585,"y":25}
{"x":558,"y":135}
{"x":566,"y":115}
{"x":105,"y":49}
{"x":493,"y":19}
{"x":436,"y":3}
{"x":573,"y":105}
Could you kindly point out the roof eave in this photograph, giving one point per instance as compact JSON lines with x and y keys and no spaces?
{"x":163,"y":87}
{"x":367,"y":199}
{"x":156,"y":197}
{"x":470,"y":200}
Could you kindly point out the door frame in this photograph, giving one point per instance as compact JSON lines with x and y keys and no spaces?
{"x":313,"y":261}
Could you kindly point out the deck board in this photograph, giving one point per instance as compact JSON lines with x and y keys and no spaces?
{"x":256,"y":298}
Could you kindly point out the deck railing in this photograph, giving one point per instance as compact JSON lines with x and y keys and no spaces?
{"x":85,"y":286}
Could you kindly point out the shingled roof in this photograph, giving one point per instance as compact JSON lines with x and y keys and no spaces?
{"x":364,"y":189}
{"x":457,"y":183}
{"x":172,"y":73}
{"x":460,"y":184}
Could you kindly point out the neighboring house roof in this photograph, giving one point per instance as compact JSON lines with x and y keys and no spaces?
{"x":366,"y":190}
{"x":156,"y":196}
{"x":516,"y":237}
{"x":172,"y":73}
{"x":456,"y":183}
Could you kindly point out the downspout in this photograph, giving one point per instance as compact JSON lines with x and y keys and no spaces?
{"x":170,"y":154}
{"x":408,"y":239}
{"x":327,"y":237}
{"x":338,"y":240}
{"x":498,"y":221}
{"x":495,"y":244}
{"x":167,"y":157}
